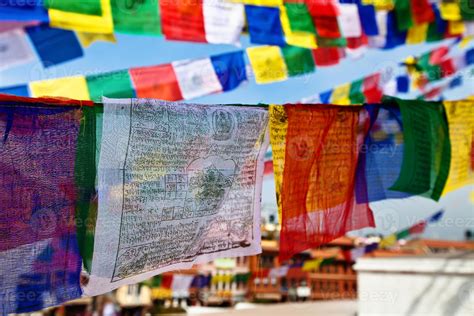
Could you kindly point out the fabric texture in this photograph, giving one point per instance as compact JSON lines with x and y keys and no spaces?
{"x":178,"y":185}
{"x":322,"y":145}
{"x":39,"y":258}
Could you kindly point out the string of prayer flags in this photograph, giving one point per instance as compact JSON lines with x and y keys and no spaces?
{"x":45,"y":41}
{"x":427,"y":148}
{"x":206,"y":172}
{"x":310,"y":218}
{"x":39,"y":252}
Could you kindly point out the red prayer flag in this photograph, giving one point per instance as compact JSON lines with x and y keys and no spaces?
{"x":166,"y":281}
{"x":157,"y":82}
{"x":418,"y":228}
{"x":447,"y":68}
{"x":322,"y":8}
{"x":327,"y":26}
{"x":422,"y":11}
{"x":371,"y":89}
{"x":268,"y":169}
{"x":438,"y":54}
{"x":318,"y":200}
{"x":356,"y":42}
{"x":183,"y":20}
{"x":326,"y":56}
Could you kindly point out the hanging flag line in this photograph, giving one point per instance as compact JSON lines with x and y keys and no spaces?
{"x":391,"y":240}
{"x":351,"y":26}
{"x":188,"y":79}
{"x":371,"y":88}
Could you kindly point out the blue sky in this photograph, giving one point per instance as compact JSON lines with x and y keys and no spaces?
{"x":133,"y":51}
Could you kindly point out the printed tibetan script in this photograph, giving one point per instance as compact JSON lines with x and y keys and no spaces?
{"x":179,"y":184}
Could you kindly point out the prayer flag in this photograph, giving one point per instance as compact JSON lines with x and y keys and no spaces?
{"x":417,"y":34}
{"x":115,"y":84}
{"x":20,"y":90}
{"x":296,"y":38}
{"x":460,"y":115}
{"x":87,"y":39}
{"x":368,"y":20}
{"x":403,"y":15}
{"x":318,"y":201}
{"x":349,"y":21}
{"x":418,"y":228}
{"x":20,"y":10}
{"x":67,"y":87}
{"x":371,"y":88}
{"x":46,"y":41}
{"x":183,"y":20}
{"x":83,"y":22}
{"x":136,"y":17}
{"x":340,"y":95}
{"x":381,"y":157}
{"x":355,"y":93}
{"x":230,"y":69}
{"x":278,"y":128}
{"x":427,"y":149}
{"x":403,"y":84}
{"x":422,"y":11}
{"x":299,"y":17}
{"x":388,"y":241}
{"x":158,"y":82}
{"x":39,"y":258}
{"x":326,"y":56}
{"x":436,"y":216}
{"x":310,"y":265}
{"x":196,"y":78}
{"x":89,"y":7}
{"x":298,"y":60}
{"x":195,"y":198}
{"x":223,"y":21}
{"x":14,"y":49}
{"x":267,"y":64}
{"x":264,"y":25}
{"x":450,"y":10}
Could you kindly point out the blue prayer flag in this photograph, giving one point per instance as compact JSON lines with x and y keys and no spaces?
{"x":230,"y":69}
{"x":264,"y":25}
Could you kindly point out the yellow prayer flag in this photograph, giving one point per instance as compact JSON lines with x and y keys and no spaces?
{"x":312,"y":264}
{"x":87,"y":39}
{"x":267,"y":63}
{"x":278,"y":128}
{"x":465,"y":41}
{"x":456,"y":27}
{"x":460,"y":116}
{"x":161,"y":293}
{"x":68,"y":87}
{"x":450,"y":11}
{"x":83,"y":22}
{"x":417,"y":33}
{"x":340,"y":95}
{"x":388,"y":241}
{"x":301,"y":39}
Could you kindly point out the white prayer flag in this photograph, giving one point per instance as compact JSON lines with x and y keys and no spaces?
{"x":223,"y":21}
{"x":348,"y":20}
{"x":14,"y":49}
{"x":179,"y":184}
{"x":196,"y":78}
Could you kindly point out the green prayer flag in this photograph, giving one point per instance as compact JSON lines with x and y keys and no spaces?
{"x":328,"y":261}
{"x":403,"y":234}
{"x":427,"y":148}
{"x":85,"y":177}
{"x":433,"y":72}
{"x":298,"y":60}
{"x":355,"y":93}
{"x":89,"y":7}
{"x":403,"y":14}
{"x":433,"y":35}
{"x":467,"y":9}
{"x":300,"y":19}
{"x":136,"y":17}
{"x":113,"y":85}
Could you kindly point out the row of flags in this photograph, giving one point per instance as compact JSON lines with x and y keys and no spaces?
{"x":119,"y":192}
{"x":188,"y":79}
{"x":306,"y":23}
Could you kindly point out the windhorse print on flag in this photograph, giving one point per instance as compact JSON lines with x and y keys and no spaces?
{"x":318,"y":188}
{"x":39,"y":258}
{"x":179,"y":184}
